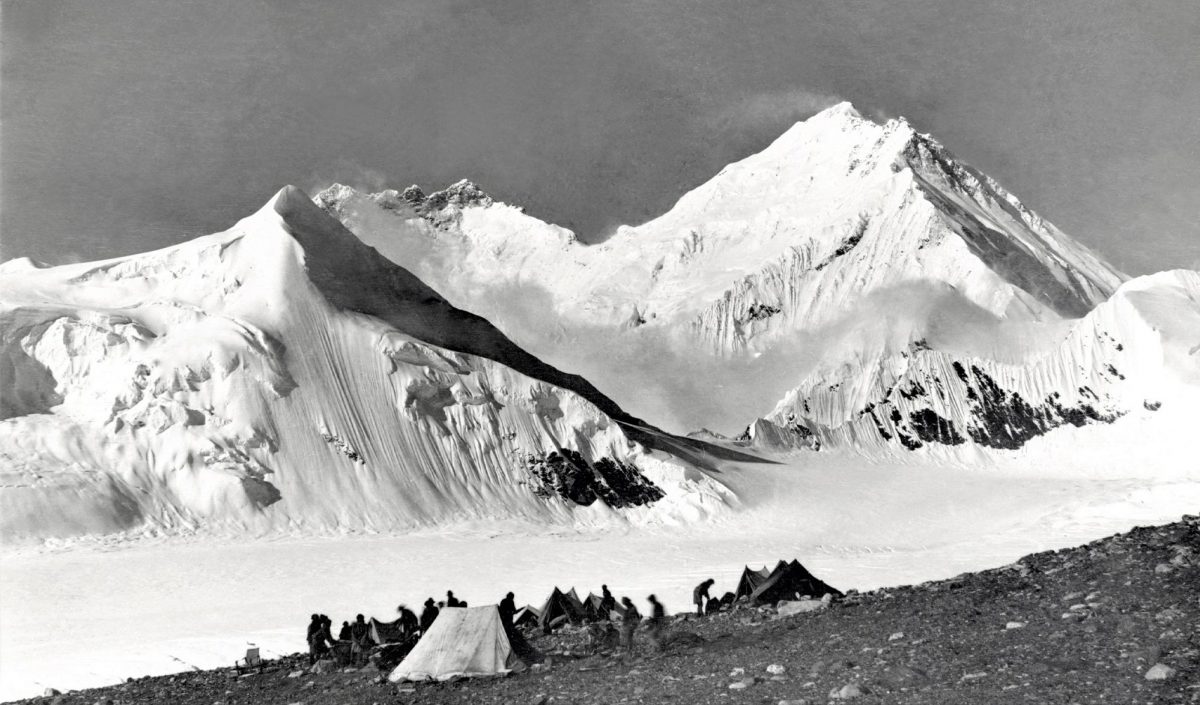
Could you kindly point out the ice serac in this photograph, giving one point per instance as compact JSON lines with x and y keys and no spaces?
{"x":1131,"y":355}
{"x":283,"y":376}
{"x":841,"y":225}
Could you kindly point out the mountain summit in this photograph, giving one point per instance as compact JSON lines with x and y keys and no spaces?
{"x":797,"y":278}
{"x":282,"y":375}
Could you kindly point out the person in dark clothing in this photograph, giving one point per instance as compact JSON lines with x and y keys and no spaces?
{"x":700,"y":594}
{"x":658,"y":621}
{"x":428,"y":614}
{"x":327,"y":630}
{"x":360,"y":640}
{"x":451,"y":600}
{"x":607,"y":603}
{"x":344,"y":634}
{"x":408,"y":621}
{"x":508,"y":607}
{"x":629,"y":624}
{"x":315,"y":639}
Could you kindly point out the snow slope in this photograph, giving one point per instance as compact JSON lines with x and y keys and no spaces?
{"x":1131,"y":356}
{"x":159,"y":606}
{"x":284,"y":376}
{"x":841,"y":223}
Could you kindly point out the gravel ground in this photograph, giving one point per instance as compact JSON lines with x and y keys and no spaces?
{"x":1094,"y":624}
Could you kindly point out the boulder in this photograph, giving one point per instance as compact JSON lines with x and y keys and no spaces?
{"x":1160,"y":672}
{"x":789,"y":608}
{"x":325,"y":665}
{"x":849,"y":691}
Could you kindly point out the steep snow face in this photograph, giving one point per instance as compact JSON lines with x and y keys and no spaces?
{"x":839,"y":219}
{"x":284,"y":376}
{"x":1133,"y":355}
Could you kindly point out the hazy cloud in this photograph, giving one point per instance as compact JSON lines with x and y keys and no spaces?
{"x":352,"y":174}
{"x":772,"y":109}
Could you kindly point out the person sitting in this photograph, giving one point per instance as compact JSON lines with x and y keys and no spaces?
{"x":360,"y":640}
{"x":451,"y":600}
{"x":700,"y":594}
{"x":428,"y":614}
{"x":344,"y":634}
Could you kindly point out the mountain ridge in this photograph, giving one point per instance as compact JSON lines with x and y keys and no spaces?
{"x":744,"y":275}
{"x":283,"y":376}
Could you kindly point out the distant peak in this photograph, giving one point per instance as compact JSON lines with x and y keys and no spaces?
{"x":291,"y":200}
{"x":303,"y":219}
{"x":844,"y":110}
{"x":462,"y":194}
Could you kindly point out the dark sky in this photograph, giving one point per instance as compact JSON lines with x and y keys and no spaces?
{"x":129,"y":125}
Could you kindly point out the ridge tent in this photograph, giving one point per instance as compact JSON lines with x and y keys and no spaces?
{"x":574,"y":598}
{"x":559,"y":608}
{"x":526,"y":616}
{"x":591,"y":606}
{"x":789,"y":581}
{"x":750,"y":581}
{"x":463,"y":641}
{"x":594,"y":612}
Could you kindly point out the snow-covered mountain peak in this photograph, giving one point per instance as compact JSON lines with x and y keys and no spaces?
{"x":841,"y":222}
{"x":283,"y":374}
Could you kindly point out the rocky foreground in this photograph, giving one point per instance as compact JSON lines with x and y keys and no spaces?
{"x":1115,"y":621}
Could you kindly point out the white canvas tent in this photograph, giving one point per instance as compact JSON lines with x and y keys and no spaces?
{"x":463,"y":641}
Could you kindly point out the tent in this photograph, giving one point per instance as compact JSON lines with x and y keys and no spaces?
{"x":560,"y":607}
{"x":575,"y":601}
{"x":593,"y":611}
{"x":526,"y":616}
{"x":788,"y":582}
{"x":463,"y":641}
{"x":386,"y":632}
{"x":751,"y":579}
{"x":591,"y":606}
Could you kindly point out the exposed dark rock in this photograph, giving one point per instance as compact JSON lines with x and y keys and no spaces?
{"x":848,"y":244}
{"x":906,"y":440}
{"x":758,"y":311}
{"x":914,"y":390}
{"x":567,"y":473}
{"x":933,"y":428}
{"x":462,"y":194}
{"x":996,"y":417}
{"x":413,"y":194}
{"x":342,"y":446}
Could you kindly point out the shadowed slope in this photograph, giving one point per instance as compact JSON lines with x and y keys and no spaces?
{"x":355,"y":277}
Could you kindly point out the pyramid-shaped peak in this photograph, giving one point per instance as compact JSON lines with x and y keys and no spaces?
{"x":292,"y":200}
{"x":843,"y":110}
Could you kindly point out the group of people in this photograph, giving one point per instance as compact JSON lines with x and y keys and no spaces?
{"x":658,"y":614}
{"x":356,"y":636}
